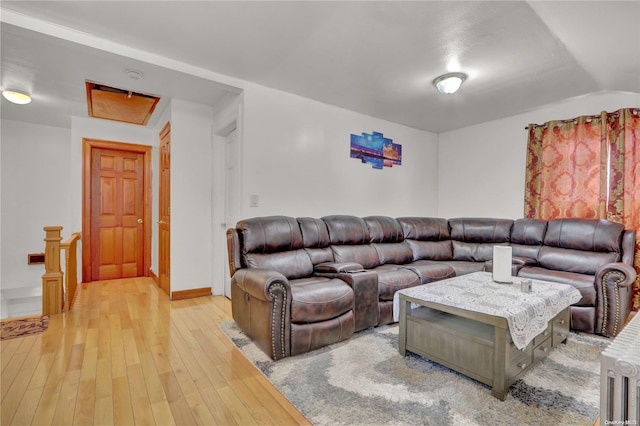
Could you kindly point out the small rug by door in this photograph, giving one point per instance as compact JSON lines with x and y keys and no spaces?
{"x":365,"y":380}
{"x":18,"y":327}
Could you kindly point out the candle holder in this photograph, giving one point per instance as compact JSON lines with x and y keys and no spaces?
{"x":525,"y":286}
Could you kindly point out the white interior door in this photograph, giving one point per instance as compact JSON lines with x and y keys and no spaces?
{"x":232,"y":192}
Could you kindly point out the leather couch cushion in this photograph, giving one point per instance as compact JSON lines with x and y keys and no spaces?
{"x":580,"y":245}
{"x":386,"y":235}
{"x":528,"y":231}
{"x":584,"y":234}
{"x":428,"y":238}
{"x":462,"y":267}
{"x":523,"y":250}
{"x":584,"y":283}
{"x":628,"y":246}
{"x":309,"y":336}
{"x":517,"y":263}
{"x":385,"y":312}
{"x":472,"y":252}
{"x":320,"y":255}
{"x":397,"y":253}
{"x":345,"y":229}
{"x":269,"y":234}
{"x":314,"y":232}
{"x":292,"y":264}
{"x":430,"y":271}
{"x":578,"y":261}
{"x":430,"y":250}
{"x":527,"y":236}
{"x":583,"y":318}
{"x":425,"y":228}
{"x":364,"y":254}
{"x":384,"y":229}
{"x":317,"y":299}
{"x":393,"y":278}
{"x":315,"y":238}
{"x":481,"y":230}
{"x":474,"y":238}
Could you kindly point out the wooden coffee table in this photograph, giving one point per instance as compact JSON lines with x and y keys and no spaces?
{"x":476,"y":344}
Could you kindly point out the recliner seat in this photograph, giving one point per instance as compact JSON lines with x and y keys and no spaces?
{"x":275,"y":298}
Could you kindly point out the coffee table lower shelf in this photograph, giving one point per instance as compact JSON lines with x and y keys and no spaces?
{"x":474,"y":344}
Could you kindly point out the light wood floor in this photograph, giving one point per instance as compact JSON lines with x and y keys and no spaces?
{"x":127,"y":355}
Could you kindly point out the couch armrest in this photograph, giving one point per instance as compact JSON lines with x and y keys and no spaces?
{"x":233,"y":251}
{"x":335,"y":267}
{"x":261,"y":306}
{"x":613,"y":283}
{"x":259,"y":282}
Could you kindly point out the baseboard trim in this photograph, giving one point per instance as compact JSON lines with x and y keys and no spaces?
{"x":189,"y":294}
{"x":154,"y":277}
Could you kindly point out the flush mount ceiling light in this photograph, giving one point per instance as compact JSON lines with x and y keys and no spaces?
{"x":16,"y":97}
{"x":134,"y":74}
{"x":449,"y":83}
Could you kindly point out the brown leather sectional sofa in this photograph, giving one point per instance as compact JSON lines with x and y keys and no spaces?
{"x":302,"y":283}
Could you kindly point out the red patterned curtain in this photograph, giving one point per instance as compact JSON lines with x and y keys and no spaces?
{"x":624,"y":182}
{"x":565,"y":171}
{"x":587,"y":167}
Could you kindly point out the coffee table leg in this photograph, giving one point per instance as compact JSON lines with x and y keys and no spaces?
{"x":499,"y":363}
{"x":402,"y":331}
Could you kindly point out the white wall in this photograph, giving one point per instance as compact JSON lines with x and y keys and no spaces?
{"x":36,"y":172}
{"x":2,"y":301}
{"x":93,"y":128}
{"x":481,"y":169}
{"x":296,"y":159}
{"x":191,"y":192}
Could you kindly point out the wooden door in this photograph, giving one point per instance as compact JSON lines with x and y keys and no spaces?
{"x":164,"y":210}
{"x":117,"y":211}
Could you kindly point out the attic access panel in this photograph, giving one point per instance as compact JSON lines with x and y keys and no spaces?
{"x":111,"y":103}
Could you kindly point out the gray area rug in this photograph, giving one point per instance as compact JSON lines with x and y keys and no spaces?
{"x":365,"y":381}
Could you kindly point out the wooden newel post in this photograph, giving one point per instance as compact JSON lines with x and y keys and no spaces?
{"x":52,"y":290}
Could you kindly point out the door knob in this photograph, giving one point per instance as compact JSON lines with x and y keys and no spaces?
{"x":139,"y":220}
{"x":161,"y":222}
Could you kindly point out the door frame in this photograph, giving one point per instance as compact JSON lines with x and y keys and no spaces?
{"x":231,"y":198}
{"x":88,"y":145}
{"x":220,"y":267}
{"x":166,"y":129}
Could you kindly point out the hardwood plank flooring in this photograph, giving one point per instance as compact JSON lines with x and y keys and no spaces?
{"x":127,"y":355}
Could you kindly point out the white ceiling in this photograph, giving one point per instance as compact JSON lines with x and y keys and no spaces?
{"x":374,"y":57}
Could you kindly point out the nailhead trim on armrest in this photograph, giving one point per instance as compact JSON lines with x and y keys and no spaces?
{"x":274,"y":308}
{"x":606,"y":304}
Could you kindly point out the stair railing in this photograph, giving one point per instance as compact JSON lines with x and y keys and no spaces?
{"x":70,"y":269}
{"x":55,"y":298}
